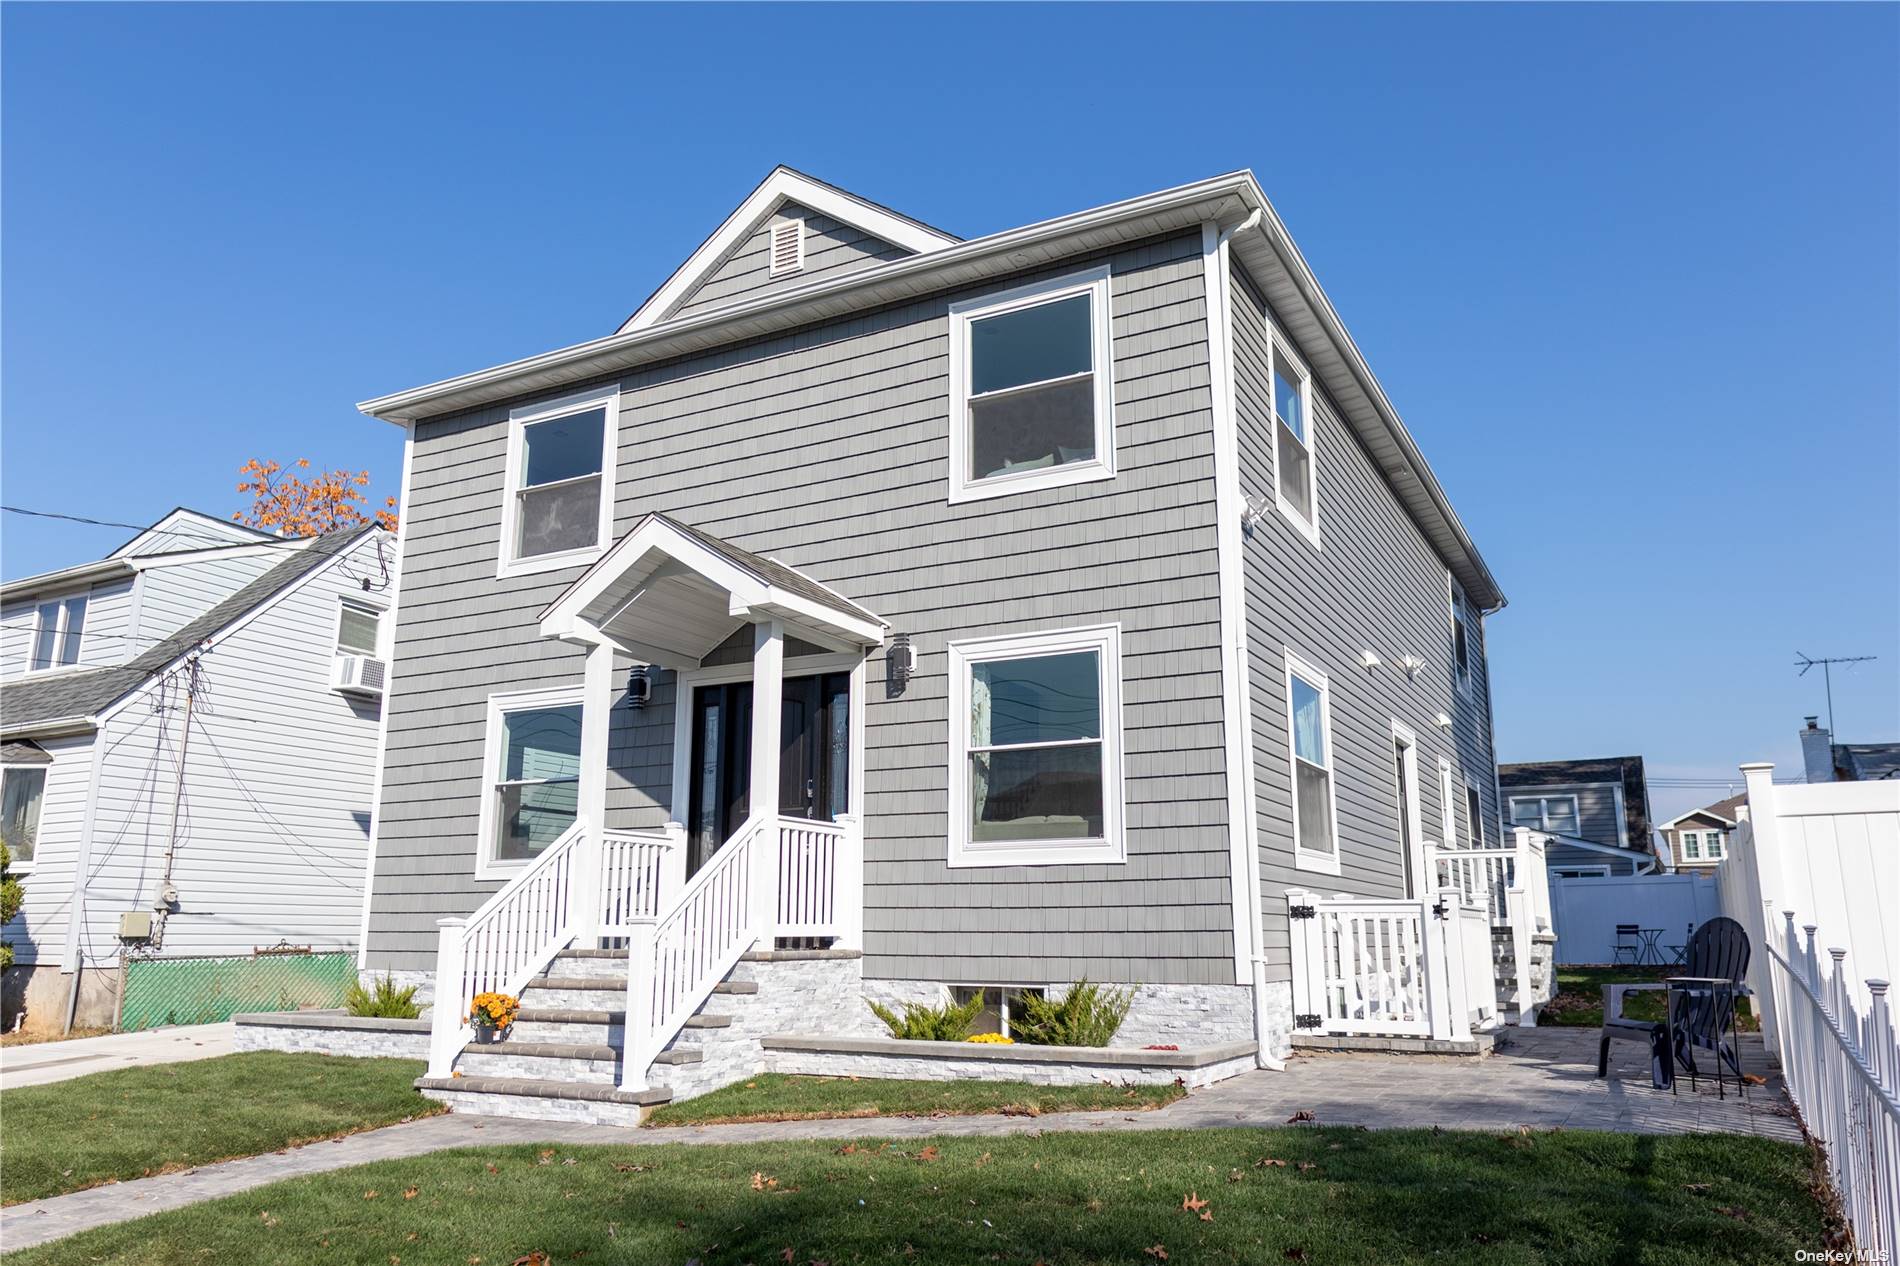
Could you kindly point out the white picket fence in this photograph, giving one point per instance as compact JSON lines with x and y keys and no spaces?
{"x":1843,"y":1072}
{"x":1391,"y":967}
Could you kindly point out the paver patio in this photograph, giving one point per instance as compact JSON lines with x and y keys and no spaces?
{"x":1541,"y":1078}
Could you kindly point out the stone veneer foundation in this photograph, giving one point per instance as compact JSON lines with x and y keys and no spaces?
{"x":332,"y":1033}
{"x":826,"y":1056}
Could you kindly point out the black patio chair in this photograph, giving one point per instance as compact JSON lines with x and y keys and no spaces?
{"x":1701,"y":1007}
{"x":1629,"y":940}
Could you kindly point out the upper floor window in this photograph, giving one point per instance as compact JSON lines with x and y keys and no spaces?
{"x":359,"y":629}
{"x":1556,"y":814}
{"x":559,"y":511}
{"x":1310,"y":731}
{"x":1461,"y":640}
{"x":1035,"y":761}
{"x":57,"y":632}
{"x":1031,"y":388}
{"x":22,"y":787}
{"x":1474,"y":814}
{"x":1703,"y":846}
{"x":1296,"y":490}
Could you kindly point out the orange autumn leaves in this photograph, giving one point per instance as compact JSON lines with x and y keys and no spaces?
{"x":292,"y":504}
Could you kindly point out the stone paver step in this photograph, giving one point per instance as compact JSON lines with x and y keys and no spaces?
{"x":680,"y":1055}
{"x":544,"y":1050}
{"x":607,"y":1019}
{"x":541,"y":1088}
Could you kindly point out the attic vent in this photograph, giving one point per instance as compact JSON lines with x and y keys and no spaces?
{"x":788,"y":247}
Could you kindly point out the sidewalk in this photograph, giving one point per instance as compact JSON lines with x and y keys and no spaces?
{"x":41,"y":1062}
{"x":1540,"y":1078}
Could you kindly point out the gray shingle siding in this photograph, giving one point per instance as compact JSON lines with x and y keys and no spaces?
{"x":1375,"y":584}
{"x":830,"y":248}
{"x":729,"y":442}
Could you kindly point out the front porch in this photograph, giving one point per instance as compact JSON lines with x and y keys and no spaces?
{"x":763,"y":846}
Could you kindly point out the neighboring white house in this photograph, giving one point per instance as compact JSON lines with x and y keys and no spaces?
{"x":189,"y":731}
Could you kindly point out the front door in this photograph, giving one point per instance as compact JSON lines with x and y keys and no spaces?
{"x":814,"y":757}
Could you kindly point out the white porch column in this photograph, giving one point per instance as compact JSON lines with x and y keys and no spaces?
{"x":597,"y":704}
{"x":768,"y":695}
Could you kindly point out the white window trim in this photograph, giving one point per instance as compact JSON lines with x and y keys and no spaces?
{"x":518,"y":422}
{"x":1093,"y":282}
{"x":59,"y":633}
{"x":1105,"y":641}
{"x":1456,"y":605}
{"x":16,"y":866}
{"x":487,"y":866}
{"x":1543,"y":812}
{"x":1581,"y":872}
{"x":1303,"y":858}
{"x":1306,"y":528}
{"x":346,"y":601}
{"x":1475,"y":829}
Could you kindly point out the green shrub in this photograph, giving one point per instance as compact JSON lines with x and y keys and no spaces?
{"x":949,"y":1022}
{"x":1088,"y":1015}
{"x":389,"y":1001}
{"x":11,"y":895}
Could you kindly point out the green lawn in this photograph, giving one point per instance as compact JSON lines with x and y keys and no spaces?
{"x":133,"y":1122}
{"x":1579,"y":1000}
{"x":1061,"y":1199}
{"x":777,"y":1097}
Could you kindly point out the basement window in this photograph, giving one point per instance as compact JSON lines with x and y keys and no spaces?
{"x":1001,"y":1004}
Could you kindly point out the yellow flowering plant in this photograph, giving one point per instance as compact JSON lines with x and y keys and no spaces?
{"x":493,"y":1010}
{"x":992,"y":1039}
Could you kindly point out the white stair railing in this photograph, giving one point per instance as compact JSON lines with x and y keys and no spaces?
{"x":511,"y":937}
{"x":675,"y":959}
{"x":809,"y":866}
{"x":635,"y":868}
{"x":1487,"y":875}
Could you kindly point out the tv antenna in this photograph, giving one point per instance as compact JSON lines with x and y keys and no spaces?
{"x":1826,"y":664}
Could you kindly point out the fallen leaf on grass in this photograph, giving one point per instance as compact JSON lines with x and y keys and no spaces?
{"x":1733,"y":1211}
{"x":848,"y":1149}
{"x":1156,"y":1251}
{"x":408,"y":1193}
{"x":1193,"y":1203}
{"x":787,"y":1255}
{"x":536,"y":1258}
{"x":1306,"y":1165}
{"x":1302,"y":1115}
{"x":1269,"y":1162}
{"x":632,"y":1169}
{"x":1295,"y":1255}
{"x":267,"y":1218}
{"x":928,"y":1154}
{"x":369,"y":1195}
{"x":1234,"y":1175}
{"x":1695,"y":1186}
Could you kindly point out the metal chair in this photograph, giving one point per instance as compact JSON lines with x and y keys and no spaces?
{"x":1629,"y":943}
{"x":1701,"y":1008}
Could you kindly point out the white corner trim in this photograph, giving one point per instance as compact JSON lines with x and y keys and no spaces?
{"x":1105,"y":641}
{"x":1093,"y":282}
{"x":82,"y":861}
{"x":779,"y":188}
{"x":519,"y":419}
{"x":1236,"y":685}
{"x":487,"y":867}
{"x":1304,"y":858}
{"x":404,"y":511}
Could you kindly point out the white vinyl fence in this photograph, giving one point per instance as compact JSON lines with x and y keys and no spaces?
{"x":1826,"y":857}
{"x":1585,"y":912}
{"x":1843,"y":1072}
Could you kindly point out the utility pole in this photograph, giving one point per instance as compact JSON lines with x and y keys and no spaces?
{"x":1826,"y":664}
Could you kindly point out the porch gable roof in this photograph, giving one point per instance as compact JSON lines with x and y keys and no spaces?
{"x":670,"y":593}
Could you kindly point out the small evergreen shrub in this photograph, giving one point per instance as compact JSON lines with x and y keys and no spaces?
{"x":948,"y":1022}
{"x":388,"y":1001}
{"x":1087,"y":1015}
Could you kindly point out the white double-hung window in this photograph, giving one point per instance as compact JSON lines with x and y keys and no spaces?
{"x":59,"y":627}
{"x":1036,"y":749}
{"x":1296,"y":487}
{"x":560,"y":491}
{"x":1556,"y":814}
{"x":22,"y":788}
{"x":1031,"y":388}
{"x":533,"y":764}
{"x":1310,"y":747}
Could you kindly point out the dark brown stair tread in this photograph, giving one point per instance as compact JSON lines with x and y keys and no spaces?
{"x":543,"y":1050}
{"x":680,"y":1055}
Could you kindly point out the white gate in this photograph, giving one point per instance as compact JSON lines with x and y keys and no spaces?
{"x":1395,"y":968}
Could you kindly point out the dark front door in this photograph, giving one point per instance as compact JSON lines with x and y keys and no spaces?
{"x":814,"y":757}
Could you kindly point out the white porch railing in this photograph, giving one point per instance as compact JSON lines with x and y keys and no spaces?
{"x":1843,"y":1072}
{"x":636,"y":868}
{"x":1487,"y":875}
{"x":1396,"y":968}
{"x":811,"y":857}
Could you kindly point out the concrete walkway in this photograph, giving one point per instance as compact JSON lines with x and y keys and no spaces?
{"x":1541,"y":1078}
{"x":40,"y":1062}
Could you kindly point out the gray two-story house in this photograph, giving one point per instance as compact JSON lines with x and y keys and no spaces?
{"x":1077,"y":587}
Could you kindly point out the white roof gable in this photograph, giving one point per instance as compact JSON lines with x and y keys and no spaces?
{"x":782,"y":186}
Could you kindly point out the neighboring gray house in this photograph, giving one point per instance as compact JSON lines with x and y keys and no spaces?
{"x":1828,"y":761}
{"x":1598,"y":810}
{"x":1101,"y":594}
{"x":254,"y":659}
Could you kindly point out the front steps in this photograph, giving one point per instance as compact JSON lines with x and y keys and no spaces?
{"x":562,"y":1058}
{"x":1504,"y":962}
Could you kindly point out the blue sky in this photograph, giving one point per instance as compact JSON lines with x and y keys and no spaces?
{"x":1631,"y":273}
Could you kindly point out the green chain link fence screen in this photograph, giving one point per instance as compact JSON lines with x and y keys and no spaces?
{"x":208,"y":990}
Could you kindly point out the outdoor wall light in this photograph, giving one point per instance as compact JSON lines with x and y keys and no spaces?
{"x":639,"y":686}
{"x":1444,"y":720}
{"x":900,"y":662}
{"x":1370,"y":659}
{"x":1411,"y":664}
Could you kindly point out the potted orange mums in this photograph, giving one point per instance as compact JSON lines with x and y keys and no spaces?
{"x":491,"y":1014}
